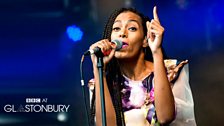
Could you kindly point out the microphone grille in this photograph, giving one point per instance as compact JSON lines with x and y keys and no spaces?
{"x":118,"y":44}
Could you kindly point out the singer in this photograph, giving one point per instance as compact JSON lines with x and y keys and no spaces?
{"x":141,"y":86}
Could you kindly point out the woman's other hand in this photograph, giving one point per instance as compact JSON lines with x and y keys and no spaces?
{"x":154,"y":32}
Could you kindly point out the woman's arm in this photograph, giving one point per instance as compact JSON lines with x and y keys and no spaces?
{"x":164,"y":100}
{"x":109,"y":108}
{"x":110,"y":112}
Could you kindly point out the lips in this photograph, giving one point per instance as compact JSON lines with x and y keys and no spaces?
{"x":124,"y":44}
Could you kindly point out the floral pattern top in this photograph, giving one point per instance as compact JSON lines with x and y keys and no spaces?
{"x":138,"y":97}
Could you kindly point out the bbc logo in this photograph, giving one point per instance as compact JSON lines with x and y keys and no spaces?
{"x":33,"y":100}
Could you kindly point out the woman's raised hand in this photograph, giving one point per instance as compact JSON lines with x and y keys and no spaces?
{"x":154,"y":32}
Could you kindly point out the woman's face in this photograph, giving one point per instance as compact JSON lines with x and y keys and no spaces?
{"x":128,"y":28}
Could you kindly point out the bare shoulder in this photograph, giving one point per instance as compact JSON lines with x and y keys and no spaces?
{"x":149,"y":66}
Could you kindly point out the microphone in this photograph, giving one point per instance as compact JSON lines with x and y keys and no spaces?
{"x":96,"y":50}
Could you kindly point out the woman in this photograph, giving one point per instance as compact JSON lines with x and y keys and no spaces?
{"x":136,"y":85}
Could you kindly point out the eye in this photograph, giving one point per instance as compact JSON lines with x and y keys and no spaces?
{"x":116,"y":29}
{"x":132,"y":28}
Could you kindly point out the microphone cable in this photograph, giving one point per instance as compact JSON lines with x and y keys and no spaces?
{"x":83,"y":90}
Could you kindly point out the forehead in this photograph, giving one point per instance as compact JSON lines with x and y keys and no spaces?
{"x":128,"y":15}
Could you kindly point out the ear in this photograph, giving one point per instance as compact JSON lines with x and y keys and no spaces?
{"x":145,"y":42}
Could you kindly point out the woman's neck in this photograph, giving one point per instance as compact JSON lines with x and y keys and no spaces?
{"x":136,"y":69}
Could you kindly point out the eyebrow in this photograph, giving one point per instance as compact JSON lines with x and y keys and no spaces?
{"x":128,"y":21}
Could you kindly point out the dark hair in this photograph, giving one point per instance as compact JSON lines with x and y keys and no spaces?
{"x":113,"y":74}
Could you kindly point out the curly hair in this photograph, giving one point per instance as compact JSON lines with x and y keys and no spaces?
{"x":113,"y":74}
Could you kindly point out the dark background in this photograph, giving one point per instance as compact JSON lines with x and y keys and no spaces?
{"x":38,"y":60}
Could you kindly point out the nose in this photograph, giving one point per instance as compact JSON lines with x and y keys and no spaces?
{"x":123,"y":34}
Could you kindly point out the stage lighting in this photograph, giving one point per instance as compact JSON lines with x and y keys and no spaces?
{"x":62,"y":117}
{"x":74,"y":33}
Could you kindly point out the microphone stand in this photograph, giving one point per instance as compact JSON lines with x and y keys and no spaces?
{"x":100,"y":66}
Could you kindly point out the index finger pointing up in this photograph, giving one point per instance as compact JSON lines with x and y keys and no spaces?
{"x":155,"y":16}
